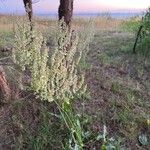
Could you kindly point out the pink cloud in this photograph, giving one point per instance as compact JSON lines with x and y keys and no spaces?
{"x":48,"y":6}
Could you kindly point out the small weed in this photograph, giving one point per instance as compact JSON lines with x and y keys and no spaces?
{"x":5,"y":38}
{"x":103,"y":58}
{"x":109,"y":143}
{"x":116,"y":87}
{"x":83,"y":65}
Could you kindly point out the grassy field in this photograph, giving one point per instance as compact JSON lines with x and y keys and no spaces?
{"x":118,"y":85}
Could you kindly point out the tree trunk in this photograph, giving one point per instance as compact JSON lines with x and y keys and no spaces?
{"x":28,"y":8}
{"x":5,"y":91}
{"x":65,"y":11}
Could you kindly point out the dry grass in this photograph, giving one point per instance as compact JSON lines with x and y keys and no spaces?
{"x":5,"y":23}
{"x":102,"y":23}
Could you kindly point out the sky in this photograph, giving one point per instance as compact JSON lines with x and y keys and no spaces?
{"x":91,"y":6}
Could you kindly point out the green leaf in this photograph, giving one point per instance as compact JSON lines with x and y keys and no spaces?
{"x":76,"y":147}
{"x":110,"y":147}
{"x":103,"y":147}
{"x":99,"y":137}
{"x":143,"y":139}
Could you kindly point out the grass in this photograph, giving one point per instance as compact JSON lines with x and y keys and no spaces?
{"x":118,"y":82}
{"x":132,"y":24}
{"x":37,"y":133}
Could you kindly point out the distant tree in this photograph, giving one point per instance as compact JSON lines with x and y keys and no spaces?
{"x":66,"y":11}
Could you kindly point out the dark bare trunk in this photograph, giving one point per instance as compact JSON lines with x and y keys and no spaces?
{"x":137,"y":37}
{"x":28,"y":8}
{"x":66,"y":11}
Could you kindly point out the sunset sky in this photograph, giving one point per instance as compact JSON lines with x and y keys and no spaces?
{"x":49,"y":6}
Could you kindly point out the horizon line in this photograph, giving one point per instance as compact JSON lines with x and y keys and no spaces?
{"x":80,"y":12}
